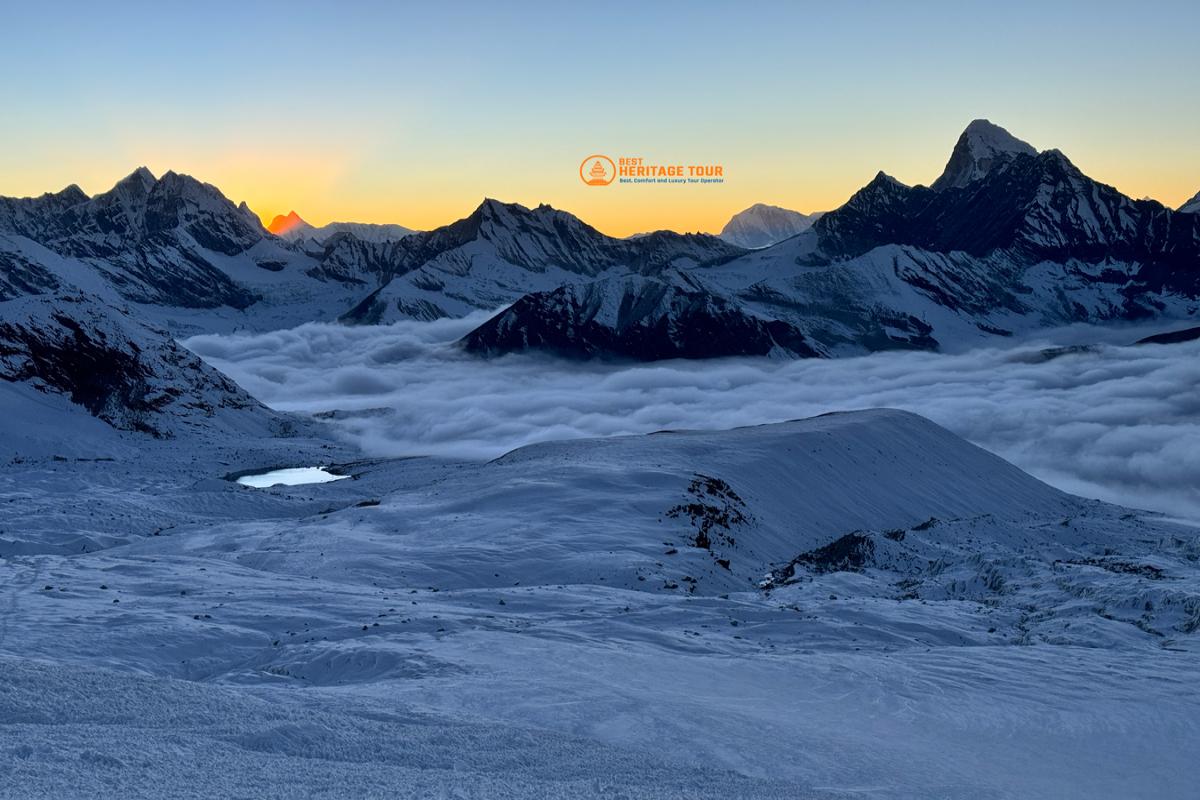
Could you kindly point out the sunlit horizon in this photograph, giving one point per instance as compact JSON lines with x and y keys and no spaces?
{"x":351,"y":114}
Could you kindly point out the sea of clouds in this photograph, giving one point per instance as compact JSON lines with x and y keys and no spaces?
{"x":1109,"y":420}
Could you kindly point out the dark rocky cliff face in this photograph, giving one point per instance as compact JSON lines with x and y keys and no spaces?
{"x":634,"y":319}
{"x":133,"y":377}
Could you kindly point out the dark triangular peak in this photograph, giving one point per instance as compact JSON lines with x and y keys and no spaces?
{"x":882,"y":190}
{"x":210,"y":218}
{"x":1191,"y":206}
{"x":140,"y":181}
{"x":69,"y":196}
{"x":982,"y":147}
{"x":120,"y":210}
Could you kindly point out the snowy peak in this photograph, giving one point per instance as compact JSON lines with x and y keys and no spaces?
{"x":1191,"y":206}
{"x":762,"y":225}
{"x":981,"y":147}
{"x":285,"y":225}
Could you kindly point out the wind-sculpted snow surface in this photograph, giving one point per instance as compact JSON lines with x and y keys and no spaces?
{"x":794,"y":610}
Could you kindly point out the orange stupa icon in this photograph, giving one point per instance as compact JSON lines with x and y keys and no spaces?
{"x":597,"y":173}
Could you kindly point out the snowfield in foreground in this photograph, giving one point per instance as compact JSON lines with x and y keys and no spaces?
{"x":853,"y":605}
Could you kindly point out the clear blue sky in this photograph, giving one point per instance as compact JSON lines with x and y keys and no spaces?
{"x":411,"y":113}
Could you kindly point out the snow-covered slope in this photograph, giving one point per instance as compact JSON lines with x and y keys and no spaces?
{"x":790,"y":610}
{"x":762,"y":225}
{"x":1191,"y":206}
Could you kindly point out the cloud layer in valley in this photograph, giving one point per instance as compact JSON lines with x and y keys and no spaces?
{"x":1111,"y":421}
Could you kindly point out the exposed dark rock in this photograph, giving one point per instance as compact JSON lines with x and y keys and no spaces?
{"x":633,"y":318}
{"x":1172,"y":337}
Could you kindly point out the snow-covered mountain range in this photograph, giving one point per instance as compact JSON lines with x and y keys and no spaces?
{"x":504,"y":250}
{"x":762,"y":225}
{"x":1007,"y":239}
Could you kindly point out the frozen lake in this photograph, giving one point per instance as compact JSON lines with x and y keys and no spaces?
{"x":292,"y":476}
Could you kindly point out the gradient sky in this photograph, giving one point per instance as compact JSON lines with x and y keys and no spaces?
{"x":412,"y":113}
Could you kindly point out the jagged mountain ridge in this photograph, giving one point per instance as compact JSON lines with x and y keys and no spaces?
{"x":147,"y":236}
{"x":1010,"y":239}
{"x":504,"y":250}
{"x":1007,"y":239}
{"x":176,"y":243}
{"x":1030,"y":207}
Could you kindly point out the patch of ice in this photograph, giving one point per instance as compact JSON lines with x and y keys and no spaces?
{"x":293,"y":476}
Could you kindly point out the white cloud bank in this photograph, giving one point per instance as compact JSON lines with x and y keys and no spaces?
{"x":1116,"y":422}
